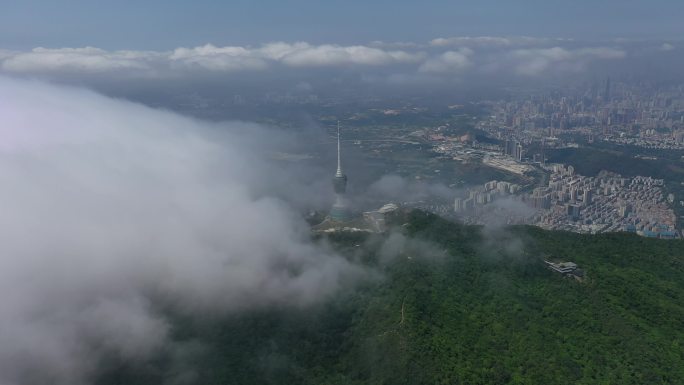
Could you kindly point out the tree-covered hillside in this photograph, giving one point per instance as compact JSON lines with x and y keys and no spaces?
{"x":480,"y":308}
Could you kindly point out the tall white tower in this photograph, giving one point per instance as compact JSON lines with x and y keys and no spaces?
{"x":339,"y":211}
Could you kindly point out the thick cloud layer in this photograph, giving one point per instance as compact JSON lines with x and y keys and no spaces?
{"x":109,"y":207}
{"x":515,"y":56}
{"x":207,"y":57}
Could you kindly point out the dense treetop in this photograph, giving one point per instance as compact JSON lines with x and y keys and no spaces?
{"x":480,"y":308}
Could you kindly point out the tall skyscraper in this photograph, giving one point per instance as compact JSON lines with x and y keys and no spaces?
{"x":511,"y":148}
{"x":339,"y":211}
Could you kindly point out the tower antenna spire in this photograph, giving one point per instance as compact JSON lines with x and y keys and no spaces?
{"x":339,"y":161}
{"x":339,"y":211}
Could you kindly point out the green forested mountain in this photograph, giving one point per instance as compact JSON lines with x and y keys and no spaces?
{"x":486,"y":312}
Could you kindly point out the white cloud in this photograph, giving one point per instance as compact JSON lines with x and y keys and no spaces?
{"x":111,"y":205}
{"x":492,"y":41}
{"x":514,"y":55}
{"x":218,"y":58}
{"x":207,"y":57}
{"x":667,"y":47}
{"x":305,"y":55}
{"x":448,"y":62}
{"x":534,"y":61}
{"x":86,"y":59}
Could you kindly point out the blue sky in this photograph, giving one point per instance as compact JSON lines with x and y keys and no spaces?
{"x":157,"y":24}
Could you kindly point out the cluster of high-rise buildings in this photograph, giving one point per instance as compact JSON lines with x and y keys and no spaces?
{"x":572,"y":202}
{"x":604,"y":203}
{"x":637,"y":114}
{"x":482,"y":195}
{"x":514,"y":149}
